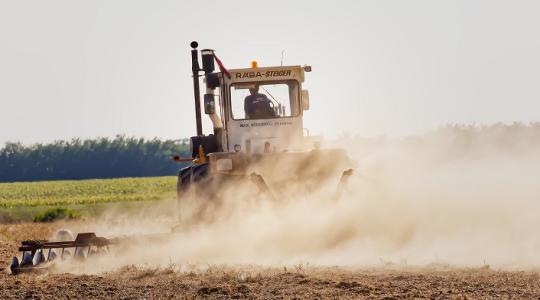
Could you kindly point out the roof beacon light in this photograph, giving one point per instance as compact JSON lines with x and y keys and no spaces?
{"x":254,"y":64}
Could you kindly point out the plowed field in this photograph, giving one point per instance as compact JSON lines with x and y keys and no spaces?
{"x":222,"y":282}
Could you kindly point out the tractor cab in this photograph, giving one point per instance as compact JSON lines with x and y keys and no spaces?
{"x":253,"y":110}
{"x":261,"y":109}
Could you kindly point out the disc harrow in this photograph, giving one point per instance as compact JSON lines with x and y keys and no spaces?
{"x":39,"y":255}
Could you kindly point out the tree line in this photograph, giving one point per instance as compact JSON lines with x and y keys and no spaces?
{"x":138,"y":157}
{"x":91,"y":158}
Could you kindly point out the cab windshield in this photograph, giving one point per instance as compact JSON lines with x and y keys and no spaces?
{"x":264,"y":100}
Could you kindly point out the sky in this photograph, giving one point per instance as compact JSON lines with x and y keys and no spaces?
{"x":101,"y":68}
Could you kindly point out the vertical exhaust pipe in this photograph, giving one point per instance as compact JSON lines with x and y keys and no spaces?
{"x":196,"y":91}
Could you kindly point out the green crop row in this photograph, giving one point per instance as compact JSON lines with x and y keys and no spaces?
{"x":68,"y":192}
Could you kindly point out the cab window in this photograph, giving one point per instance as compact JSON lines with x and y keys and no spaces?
{"x":264,"y":100}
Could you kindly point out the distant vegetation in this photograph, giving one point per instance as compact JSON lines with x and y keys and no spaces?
{"x":133,"y":157}
{"x":91,"y":158}
{"x":456,"y":141}
{"x":70,"y":192}
{"x":58,"y":213}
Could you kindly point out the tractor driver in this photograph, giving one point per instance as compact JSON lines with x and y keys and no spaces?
{"x":257,"y":105}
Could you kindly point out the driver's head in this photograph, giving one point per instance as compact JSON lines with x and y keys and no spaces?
{"x":254,"y":90}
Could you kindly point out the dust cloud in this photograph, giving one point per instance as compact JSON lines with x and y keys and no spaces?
{"x":459,"y":195}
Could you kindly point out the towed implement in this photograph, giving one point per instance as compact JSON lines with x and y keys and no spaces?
{"x":64,"y":248}
{"x":258,"y":142}
{"x":41,"y":254}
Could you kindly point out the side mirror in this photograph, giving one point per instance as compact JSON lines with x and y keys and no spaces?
{"x":209,"y":104}
{"x":208,"y":60}
{"x":305,"y":99}
{"x":212,"y":80}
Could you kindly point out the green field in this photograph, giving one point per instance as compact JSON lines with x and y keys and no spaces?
{"x":95,"y":191}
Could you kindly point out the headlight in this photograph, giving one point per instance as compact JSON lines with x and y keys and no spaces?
{"x":224,"y":164}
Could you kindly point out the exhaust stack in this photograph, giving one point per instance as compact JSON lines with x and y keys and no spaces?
{"x":196,"y":91}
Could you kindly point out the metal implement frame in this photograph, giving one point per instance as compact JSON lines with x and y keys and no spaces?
{"x":83,"y":240}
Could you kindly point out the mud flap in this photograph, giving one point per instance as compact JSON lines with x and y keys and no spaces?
{"x":186,"y":177}
{"x":343,"y":182}
{"x":258,"y":180}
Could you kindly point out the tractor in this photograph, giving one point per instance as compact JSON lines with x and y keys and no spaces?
{"x":258,"y":136}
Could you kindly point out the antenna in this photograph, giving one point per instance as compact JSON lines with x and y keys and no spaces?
{"x":282,"y":51}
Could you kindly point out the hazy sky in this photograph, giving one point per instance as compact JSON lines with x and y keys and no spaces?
{"x":101,"y":68}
